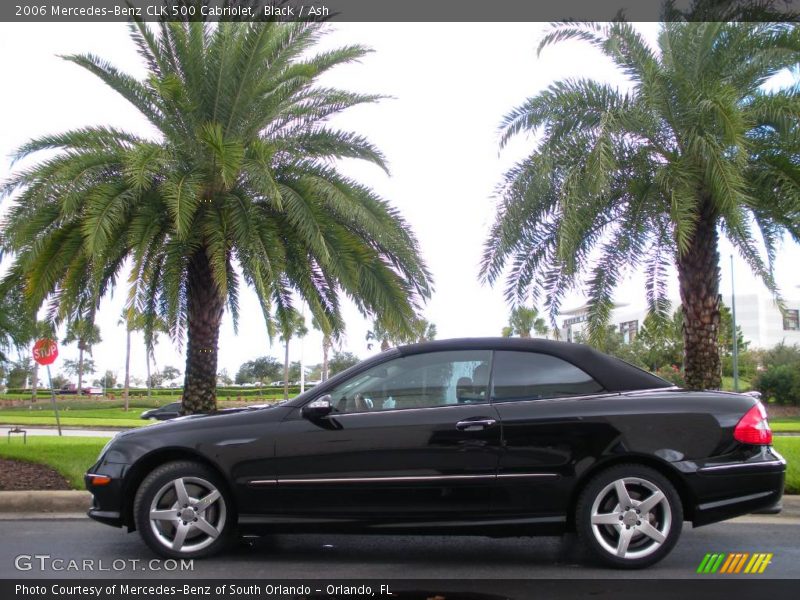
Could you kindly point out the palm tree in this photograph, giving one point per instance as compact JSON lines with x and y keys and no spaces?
{"x":136,"y":321}
{"x":238,"y":184}
{"x":522,"y":321}
{"x":17,"y":325}
{"x":19,"y":330}
{"x":36,"y":330}
{"x":379,"y":333}
{"x":291,"y":324}
{"x":423,"y":331}
{"x":83,"y":331}
{"x":649,"y":177}
{"x":331,"y":332}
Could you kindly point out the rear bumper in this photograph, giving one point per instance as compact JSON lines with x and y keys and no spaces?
{"x":724,"y":491}
{"x":770,"y":510}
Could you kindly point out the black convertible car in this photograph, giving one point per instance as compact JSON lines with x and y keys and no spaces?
{"x":474,"y":436}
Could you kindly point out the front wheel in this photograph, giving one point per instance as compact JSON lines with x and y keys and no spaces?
{"x":182,"y":511}
{"x":629,"y":516}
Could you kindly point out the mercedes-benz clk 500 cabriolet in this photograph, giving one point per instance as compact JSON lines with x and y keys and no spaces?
{"x":499,"y":437}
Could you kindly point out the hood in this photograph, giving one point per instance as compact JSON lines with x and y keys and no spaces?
{"x":218,"y":417}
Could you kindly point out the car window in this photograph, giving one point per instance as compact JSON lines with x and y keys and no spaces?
{"x":417,"y":381}
{"x":531,"y":375}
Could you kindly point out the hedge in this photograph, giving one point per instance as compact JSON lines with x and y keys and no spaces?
{"x":244,"y":392}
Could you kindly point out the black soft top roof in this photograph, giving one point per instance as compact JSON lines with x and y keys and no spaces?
{"x":613,"y":374}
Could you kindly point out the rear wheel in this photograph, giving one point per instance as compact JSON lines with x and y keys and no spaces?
{"x":629,"y":516}
{"x":182,"y":511}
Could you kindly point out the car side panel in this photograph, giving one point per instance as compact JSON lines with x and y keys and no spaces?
{"x":406,"y":463}
{"x":572,"y":437}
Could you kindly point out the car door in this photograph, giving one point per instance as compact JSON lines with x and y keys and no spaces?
{"x":540,"y":399}
{"x":412,"y":437}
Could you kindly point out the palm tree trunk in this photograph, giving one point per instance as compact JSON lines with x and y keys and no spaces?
{"x":204,"y":307}
{"x":286,"y":372}
{"x":80,"y":369}
{"x":147,"y":367}
{"x":326,"y":347}
{"x":698,"y":275}
{"x":126,"y":391}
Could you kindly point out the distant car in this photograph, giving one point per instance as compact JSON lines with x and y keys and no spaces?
{"x":163,"y":413}
{"x":276,"y":384}
{"x":498,"y":436}
{"x":89,"y":390}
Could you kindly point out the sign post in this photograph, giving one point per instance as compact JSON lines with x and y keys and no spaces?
{"x":45,"y":352}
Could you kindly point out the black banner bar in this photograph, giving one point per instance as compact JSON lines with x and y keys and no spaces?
{"x":623,"y":588}
{"x":388,"y":10}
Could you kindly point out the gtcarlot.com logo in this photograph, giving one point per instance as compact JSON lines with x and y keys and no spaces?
{"x":46,"y":562}
{"x":735,"y":562}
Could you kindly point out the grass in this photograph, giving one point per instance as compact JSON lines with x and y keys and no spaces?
{"x":789,"y":447}
{"x":70,"y":456}
{"x":744,"y":384}
{"x":74,"y":414}
{"x":50,"y":421}
{"x":84,"y":413}
{"x":785,"y":424}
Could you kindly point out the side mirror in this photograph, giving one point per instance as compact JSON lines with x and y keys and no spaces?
{"x":319,"y":408}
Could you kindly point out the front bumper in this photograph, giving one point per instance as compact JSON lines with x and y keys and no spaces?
{"x":107,"y":499}
{"x":107,"y":517}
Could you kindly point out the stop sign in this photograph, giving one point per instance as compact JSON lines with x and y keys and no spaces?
{"x":45,"y":351}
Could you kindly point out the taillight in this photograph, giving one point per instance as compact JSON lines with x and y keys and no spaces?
{"x":753,"y":427}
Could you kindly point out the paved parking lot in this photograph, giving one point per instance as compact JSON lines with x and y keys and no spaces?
{"x":391,"y":557}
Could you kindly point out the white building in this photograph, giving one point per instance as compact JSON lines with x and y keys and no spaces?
{"x":757,"y":315}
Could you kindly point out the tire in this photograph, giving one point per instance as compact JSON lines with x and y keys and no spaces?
{"x":628,"y":539}
{"x":194,"y":514}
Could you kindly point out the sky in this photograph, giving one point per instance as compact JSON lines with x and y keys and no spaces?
{"x":449,"y":86}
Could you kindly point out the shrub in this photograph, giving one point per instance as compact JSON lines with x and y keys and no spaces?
{"x":672,"y":374}
{"x":781,"y":354}
{"x":747,"y":362}
{"x":780,"y":382}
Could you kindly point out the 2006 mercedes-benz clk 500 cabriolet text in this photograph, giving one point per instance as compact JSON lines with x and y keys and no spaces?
{"x":474,"y":436}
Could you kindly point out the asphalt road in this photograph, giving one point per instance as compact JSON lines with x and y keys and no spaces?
{"x":386,"y":557}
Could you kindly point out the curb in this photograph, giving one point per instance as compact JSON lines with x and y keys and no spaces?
{"x":61,"y":501}
{"x":791,"y":507}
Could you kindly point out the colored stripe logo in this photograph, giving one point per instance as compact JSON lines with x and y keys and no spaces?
{"x":734,"y":562}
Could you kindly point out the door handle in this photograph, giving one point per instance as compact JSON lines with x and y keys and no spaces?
{"x":475,"y":424}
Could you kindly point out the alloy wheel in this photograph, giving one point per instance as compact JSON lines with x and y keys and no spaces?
{"x":631,"y":518}
{"x":187,"y":514}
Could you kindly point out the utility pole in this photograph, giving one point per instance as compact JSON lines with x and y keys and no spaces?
{"x":733,"y":333}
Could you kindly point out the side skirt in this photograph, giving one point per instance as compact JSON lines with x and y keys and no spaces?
{"x":506,"y":527}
